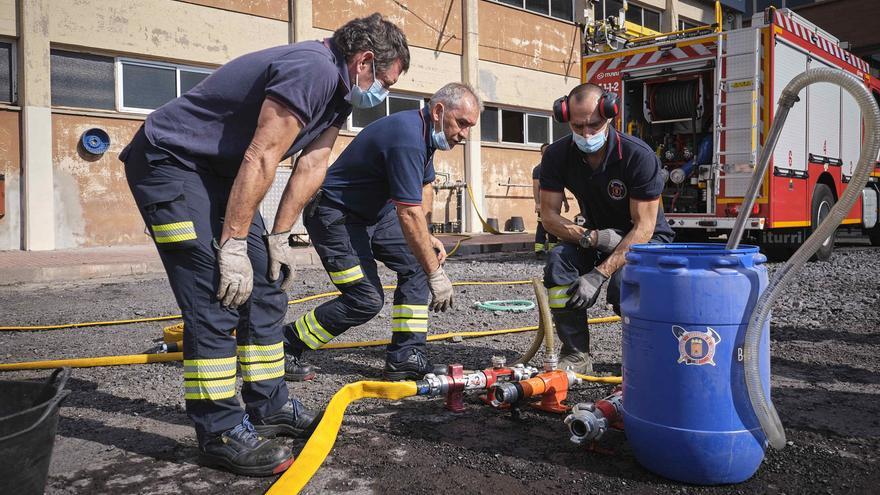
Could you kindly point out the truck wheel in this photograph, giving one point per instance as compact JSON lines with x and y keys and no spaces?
{"x":874,"y":235}
{"x":823,"y":200}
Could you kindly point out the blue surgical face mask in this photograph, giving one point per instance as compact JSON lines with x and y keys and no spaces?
{"x":591,"y":144}
{"x":369,"y":98}
{"x":439,"y":137}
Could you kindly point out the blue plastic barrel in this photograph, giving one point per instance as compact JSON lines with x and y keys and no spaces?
{"x":686,"y":409}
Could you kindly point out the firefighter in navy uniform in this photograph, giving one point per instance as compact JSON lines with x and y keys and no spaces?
{"x":617,"y":183}
{"x":375,"y":205}
{"x":198,"y":169}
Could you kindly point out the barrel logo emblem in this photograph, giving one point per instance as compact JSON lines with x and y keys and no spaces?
{"x":695,"y":347}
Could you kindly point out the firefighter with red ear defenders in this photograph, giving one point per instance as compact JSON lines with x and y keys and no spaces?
{"x":375,"y":205}
{"x":616,"y":181}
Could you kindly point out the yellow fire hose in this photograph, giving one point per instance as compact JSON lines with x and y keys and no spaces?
{"x":177,"y":317}
{"x":173,"y":331}
{"x":321,"y":442}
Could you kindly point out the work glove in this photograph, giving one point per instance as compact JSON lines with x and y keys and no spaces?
{"x":281,"y":258}
{"x":585,"y":290}
{"x":236,"y":272}
{"x":441,"y":290}
{"x":608,"y":239}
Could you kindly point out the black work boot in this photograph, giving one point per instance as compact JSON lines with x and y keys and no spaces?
{"x":296,"y":369}
{"x":292,"y":420}
{"x":574,"y":334}
{"x":415,"y":366}
{"x":242,"y":451}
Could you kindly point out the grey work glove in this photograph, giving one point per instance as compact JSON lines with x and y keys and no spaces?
{"x":236,"y":272}
{"x":585,"y":290}
{"x":608,"y":239}
{"x":441,"y":290}
{"x":281,"y":258}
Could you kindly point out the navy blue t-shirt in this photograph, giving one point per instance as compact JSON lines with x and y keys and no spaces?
{"x":389,"y":160}
{"x":536,"y":172}
{"x":213,"y":123}
{"x":630,"y":170}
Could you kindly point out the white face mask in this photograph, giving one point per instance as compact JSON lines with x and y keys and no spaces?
{"x":369,"y":98}
{"x":439,"y":136}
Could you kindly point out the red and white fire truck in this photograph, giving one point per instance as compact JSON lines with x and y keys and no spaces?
{"x":704,"y":100}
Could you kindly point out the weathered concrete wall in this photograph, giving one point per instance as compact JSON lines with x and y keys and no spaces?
{"x":8,"y":18}
{"x":167,"y":29}
{"x":272,"y":9}
{"x":503,"y":165}
{"x":508,"y":85}
{"x":10,"y":166}
{"x":93,"y":205}
{"x":528,"y":41}
{"x":431,"y":24}
{"x":697,"y":11}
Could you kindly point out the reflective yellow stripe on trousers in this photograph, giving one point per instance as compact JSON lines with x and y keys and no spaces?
{"x":261,"y":362}
{"x":558,"y":296}
{"x":311,"y":332}
{"x":409,"y":318}
{"x":209,"y":379}
{"x":347,"y":276}
{"x":174,"y":232}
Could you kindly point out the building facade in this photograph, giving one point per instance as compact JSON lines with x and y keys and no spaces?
{"x":70,"y":66}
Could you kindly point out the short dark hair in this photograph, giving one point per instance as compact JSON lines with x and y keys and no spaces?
{"x":376,"y":34}
{"x":544,"y":146}
{"x":581,"y":90}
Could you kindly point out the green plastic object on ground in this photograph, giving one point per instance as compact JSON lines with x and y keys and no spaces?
{"x":509,"y":305}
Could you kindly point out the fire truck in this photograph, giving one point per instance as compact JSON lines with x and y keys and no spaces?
{"x":704,"y":99}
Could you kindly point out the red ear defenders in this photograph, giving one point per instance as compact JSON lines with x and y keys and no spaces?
{"x":608,"y":107}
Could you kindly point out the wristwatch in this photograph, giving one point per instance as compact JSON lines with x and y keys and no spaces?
{"x":585,"y":241}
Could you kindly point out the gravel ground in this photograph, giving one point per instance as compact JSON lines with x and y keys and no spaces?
{"x":124,"y":430}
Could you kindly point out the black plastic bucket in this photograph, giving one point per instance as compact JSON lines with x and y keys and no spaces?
{"x":28,"y":419}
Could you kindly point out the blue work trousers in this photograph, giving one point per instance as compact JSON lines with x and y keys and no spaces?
{"x":183,"y":210}
{"x":349,"y":248}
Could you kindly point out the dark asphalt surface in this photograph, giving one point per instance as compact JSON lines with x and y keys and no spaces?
{"x":124,"y":430}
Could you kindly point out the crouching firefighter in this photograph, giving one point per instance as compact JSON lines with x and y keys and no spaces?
{"x":198,"y":169}
{"x":617,"y":183}
{"x":375,"y":205}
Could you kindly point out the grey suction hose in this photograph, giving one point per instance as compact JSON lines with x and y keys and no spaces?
{"x":764,"y":410}
{"x":545,"y":326}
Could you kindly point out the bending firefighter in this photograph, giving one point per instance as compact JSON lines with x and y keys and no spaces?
{"x":375,"y":205}
{"x":198,"y":169}
{"x":544,"y":241}
{"x":616,"y":180}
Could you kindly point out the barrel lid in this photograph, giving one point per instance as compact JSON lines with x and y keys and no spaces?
{"x":693,"y":249}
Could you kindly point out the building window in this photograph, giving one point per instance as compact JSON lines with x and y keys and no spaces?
{"x":686,"y":24}
{"x":82,"y":80}
{"x":560,"y":130}
{"x":516,"y":127}
{"x":512,"y":128}
{"x":560,"y":9}
{"x":489,"y":124}
{"x":538,"y":129}
{"x":609,"y":8}
{"x":643,"y":17}
{"x":146,"y":86}
{"x":362,"y":117}
{"x":7,"y":73}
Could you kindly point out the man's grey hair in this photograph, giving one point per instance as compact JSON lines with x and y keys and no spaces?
{"x":452,"y":94}
{"x":376,"y":34}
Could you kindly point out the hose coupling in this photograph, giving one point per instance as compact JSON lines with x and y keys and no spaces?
{"x":586,"y":423}
{"x":507,"y":393}
{"x":589,"y":421}
{"x":435,"y":385}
